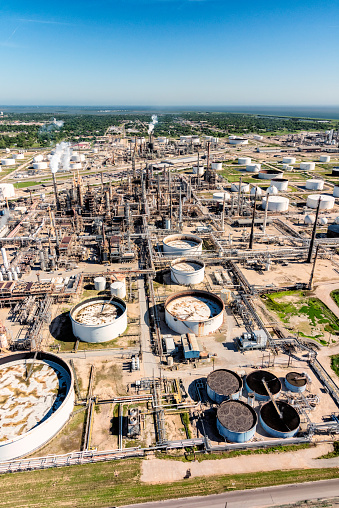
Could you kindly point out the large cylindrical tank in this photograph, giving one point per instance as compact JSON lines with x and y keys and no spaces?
{"x":244,"y":161}
{"x":314,"y":184}
{"x":187,"y":271}
{"x":223,"y":384}
{"x":40,"y":165}
{"x":45,"y":405}
{"x":253,"y":168}
{"x":198,"y":170}
{"x":182,"y":245}
{"x":275,"y":203}
{"x":8,"y":162}
{"x":217,"y":166}
{"x":326,"y":203}
{"x":257,"y":137}
{"x":336,"y":191}
{"x":283,"y":424}
{"x":280,"y":183}
{"x":234,"y":140}
{"x":195,"y":311}
{"x":270,"y":174}
{"x":74,"y":166}
{"x":236,"y":421}
{"x":245,"y":187}
{"x":295,"y":382}
{"x":335,"y":171}
{"x":333,"y":230}
{"x":118,"y":288}
{"x":18,"y":156}
{"x":324,"y":158}
{"x":289,"y":160}
{"x":99,"y":319}
{"x":221,"y":196}
{"x":254,"y":384}
{"x":100,"y":283}
{"x":38,"y":158}
{"x":307,"y":166}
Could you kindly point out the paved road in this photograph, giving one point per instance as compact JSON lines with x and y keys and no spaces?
{"x":90,"y":353}
{"x":149,"y":361}
{"x":265,"y":497}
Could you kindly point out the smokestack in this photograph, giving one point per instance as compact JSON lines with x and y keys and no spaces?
{"x":180,"y":209}
{"x":265,"y":216}
{"x":208,"y":161}
{"x":239,"y":195}
{"x":252,"y":227}
{"x":309,"y":257}
{"x":57,"y":202}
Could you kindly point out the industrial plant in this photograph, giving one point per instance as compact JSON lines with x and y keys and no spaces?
{"x":167,"y":293}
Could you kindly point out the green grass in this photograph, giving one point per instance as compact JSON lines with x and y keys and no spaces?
{"x":335,"y":296}
{"x":118,"y":483}
{"x":335,"y":364}
{"x":334,"y":453}
{"x":29,"y":183}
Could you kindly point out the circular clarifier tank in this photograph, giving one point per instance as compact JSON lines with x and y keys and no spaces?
{"x":223,"y":384}
{"x":283,"y":423}
{"x":255,"y":384}
{"x":187,"y":271}
{"x":36,"y":400}
{"x":295,"y":382}
{"x":236,"y":421}
{"x":198,"y":312}
{"x":99,"y":319}
{"x":181,"y":245}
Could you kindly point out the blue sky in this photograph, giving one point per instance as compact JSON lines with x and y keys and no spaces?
{"x":169,"y":52}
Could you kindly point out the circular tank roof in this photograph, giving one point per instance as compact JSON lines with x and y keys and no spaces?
{"x":187,"y":265}
{"x":271,"y":171}
{"x":288,"y":421}
{"x":254,"y":381}
{"x":98,"y":311}
{"x":194,"y":305}
{"x":236,"y":416}
{"x":296,"y":379}
{"x":224,"y":382}
{"x":182,"y":241}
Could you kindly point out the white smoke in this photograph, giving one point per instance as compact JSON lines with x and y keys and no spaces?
{"x":61,"y":157}
{"x":152,"y":124}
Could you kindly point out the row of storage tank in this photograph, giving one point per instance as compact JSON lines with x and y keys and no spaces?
{"x":237,"y":421}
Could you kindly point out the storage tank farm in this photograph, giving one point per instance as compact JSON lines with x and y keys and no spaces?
{"x":194,"y":311}
{"x":223,"y":384}
{"x":182,"y":245}
{"x":45,"y":383}
{"x":187,"y":271}
{"x":99,"y":319}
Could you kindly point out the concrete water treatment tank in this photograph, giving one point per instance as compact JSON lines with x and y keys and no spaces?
{"x":244,"y":161}
{"x":283,"y":423}
{"x":223,"y":384}
{"x":280,"y":183}
{"x":255,"y":383}
{"x":100,"y":283}
{"x":236,"y":421}
{"x":275,"y":203}
{"x":295,"y":382}
{"x":187,"y":271}
{"x":195,"y":311}
{"x":43,"y":407}
{"x":307,"y":166}
{"x":270,"y":174}
{"x":181,"y":245}
{"x":326,"y":203}
{"x":99,"y":319}
{"x":314,"y":184}
{"x":289,"y":160}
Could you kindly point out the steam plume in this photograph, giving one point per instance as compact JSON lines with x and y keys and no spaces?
{"x":152,"y":124}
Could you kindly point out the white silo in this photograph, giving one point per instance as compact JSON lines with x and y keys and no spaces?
{"x":118,"y":288}
{"x":275,"y":203}
{"x":75,"y":166}
{"x":289,"y":160}
{"x":257,"y":137}
{"x":100,"y":283}
{"x":326,"y":203}
{"x":244,"y":161}
{"x":253,"y":168}
{"x":315,"y":184}
{"x":324,"y":158}
{"x":307,"y":166}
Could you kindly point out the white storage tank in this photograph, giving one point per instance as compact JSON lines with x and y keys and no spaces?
{"x":258,"y":189}
{"x":7,"y":190}
{"x":99,"y":319}
{"x":18,"y":156}
{"x":187,"y":271}
{"x":38,"y":158}
{"x":8,"y":162}
{"x":326,"y":203}
{"x":276,"y":203}
{"x":235,"y":140}
{"x":270,"y":174}
{"x":336,"y":191}
{"x":100,"y":283}
{"x":221,"y":196}
{"x":195,"y":311}
{"x":272,"y":190}
{"x":253,"y":168}
{"x":245,"y":187}
{"x":280,"y":183}
{"x":40,"y":165}
{"x":217,"y":166}
{"x":198,"y":171}
{"x":289,"y":160}
{"x":324,"y":158}
{"x":118,"y":288}
{"x":286,"y":167}
{"x":309,"y":219}
{"x":307,"y":166}
{"x":244,"y":161}
{"x":75,"y":166}
{"x":257,"y":137}
{"x":315,"y":184}
{"x":323,"y":221}
{"x":182,"y":245}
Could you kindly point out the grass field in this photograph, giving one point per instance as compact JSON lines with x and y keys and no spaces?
{"x":118,"y":483}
